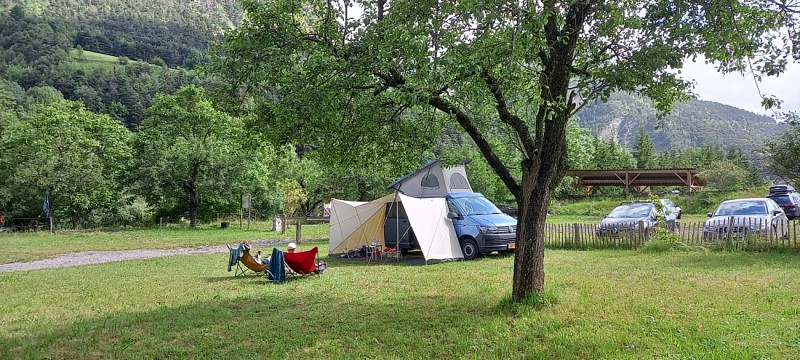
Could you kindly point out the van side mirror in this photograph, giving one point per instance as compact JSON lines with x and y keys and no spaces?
{"x":776,"y":212}
{"x":453,"y":215}
{"x":709,"y":214}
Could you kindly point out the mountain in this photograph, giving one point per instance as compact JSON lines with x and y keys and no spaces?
{"x":176,"y":32}
{"x":690,"y":124}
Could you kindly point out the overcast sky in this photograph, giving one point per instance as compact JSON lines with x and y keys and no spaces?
{"x":741,"y":92}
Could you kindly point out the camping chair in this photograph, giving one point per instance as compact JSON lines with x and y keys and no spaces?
{"x":241,"y":256}
{"x":303,"y":263}
{"x":276,"y":271}
{"x":389,"y":252}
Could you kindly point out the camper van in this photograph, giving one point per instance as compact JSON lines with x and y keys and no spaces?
{"x":480,"y":226}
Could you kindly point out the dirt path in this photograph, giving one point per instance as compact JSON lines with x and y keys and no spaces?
{"x":98,"y":257}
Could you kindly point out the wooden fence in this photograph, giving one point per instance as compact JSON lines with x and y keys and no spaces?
{"x":752,"y":235}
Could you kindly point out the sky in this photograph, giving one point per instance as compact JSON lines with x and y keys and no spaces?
{"x":740,"y":91}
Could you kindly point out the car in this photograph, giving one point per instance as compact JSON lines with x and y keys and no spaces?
{"x":789,"y":202}
{"x":480,"y":226}
{"x":746,"y":216}
{"x":670,"y":209}
{"x":627,"y":218}
{"x":781,"y":189}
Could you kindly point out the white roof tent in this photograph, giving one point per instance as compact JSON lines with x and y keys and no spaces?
{"x":355,"y":224}
{"x":432,"y":180}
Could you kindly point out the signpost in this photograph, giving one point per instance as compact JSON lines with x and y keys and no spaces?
{"x":245,"y":205}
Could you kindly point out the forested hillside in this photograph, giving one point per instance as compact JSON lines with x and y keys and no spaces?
{"x":691,"y":124}
{"x":175,"y":31}
{"x":38,"y":53}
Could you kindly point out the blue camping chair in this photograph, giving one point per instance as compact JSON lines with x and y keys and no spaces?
{"x":277,"y":269}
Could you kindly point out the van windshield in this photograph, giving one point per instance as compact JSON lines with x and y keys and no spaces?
{"x":476,"y":206}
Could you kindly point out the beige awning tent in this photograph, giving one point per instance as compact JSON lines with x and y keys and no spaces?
{"x":355,"y":224}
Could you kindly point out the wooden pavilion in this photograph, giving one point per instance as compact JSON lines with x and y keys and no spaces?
{"x":637,"y":179}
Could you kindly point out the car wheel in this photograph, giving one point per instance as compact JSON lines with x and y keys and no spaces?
{"x":470,"y":249}
{"x":679,"y":214}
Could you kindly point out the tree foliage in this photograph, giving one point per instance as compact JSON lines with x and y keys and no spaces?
{"x":78,"y":156}
{"x":518,"y":69}
{"x":644,"y":151}
{"x":783,"y":155}
{"x":724,"y":175}
{"x":187,"y":150}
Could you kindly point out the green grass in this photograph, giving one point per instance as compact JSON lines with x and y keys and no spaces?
{"x":90,"y":59}
{"x":34,"y":246}
{"x":599,"y":304}
{"x":93,"y":60}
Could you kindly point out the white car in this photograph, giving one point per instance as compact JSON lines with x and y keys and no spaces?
{"x":670,"y":209}
{"x":747,"y":216}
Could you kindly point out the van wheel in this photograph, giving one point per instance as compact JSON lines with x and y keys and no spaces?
{"x":470,"y":249}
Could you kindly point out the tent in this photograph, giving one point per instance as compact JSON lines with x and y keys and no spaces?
{"x":433,"y":180}
{"x":355,"y":224}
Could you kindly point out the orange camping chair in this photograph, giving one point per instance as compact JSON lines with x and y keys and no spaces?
{"x":303,"y":263}
{"x":247,"y":262}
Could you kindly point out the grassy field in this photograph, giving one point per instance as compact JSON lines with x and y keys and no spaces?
{"x":92,"y":59}
{"x":16,"y":247}
{"x":598,"y":304}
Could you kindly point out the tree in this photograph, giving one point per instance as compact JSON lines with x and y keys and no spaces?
{"x":644,"y":151}
{"x":519,"y":70}
{"x":783,"y":155}
{"x":611,"y":155}
{"x":724,"y":175}
{"x":185,"y":148}
{"x":76,"y":155}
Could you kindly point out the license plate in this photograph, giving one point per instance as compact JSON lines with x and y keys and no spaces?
{"x":511,"y":246}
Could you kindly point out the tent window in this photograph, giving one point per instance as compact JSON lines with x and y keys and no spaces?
{"x":458,"y":181}
{"x":430,"y":181}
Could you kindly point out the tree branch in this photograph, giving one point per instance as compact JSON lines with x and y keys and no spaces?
{"x":506,"y":116}
{"x":483,"y":145}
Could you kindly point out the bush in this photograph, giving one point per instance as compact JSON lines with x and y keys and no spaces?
{"x":123,"y":60}
{"x":663,"y":241}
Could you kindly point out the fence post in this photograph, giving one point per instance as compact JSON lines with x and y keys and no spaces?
{"x":642,"y":232}
{"x":299,"y":233}
{"x":729,"y":240}
{"x":576,"y":229}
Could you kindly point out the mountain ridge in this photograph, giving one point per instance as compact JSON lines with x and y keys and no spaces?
{"x":690,"y":124}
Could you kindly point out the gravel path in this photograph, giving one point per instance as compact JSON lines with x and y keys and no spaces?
{"x":98,"y":257}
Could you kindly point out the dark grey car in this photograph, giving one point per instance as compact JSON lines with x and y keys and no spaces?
{"x":627,"y":218}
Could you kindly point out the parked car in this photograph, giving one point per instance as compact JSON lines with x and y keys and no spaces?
{"x":789,"y":202}
{"x":626,"y":218}
{"x":670,"y":209}
{"x":479,"y":225}
{"x":781,"y":189}
{"x":748,"y":216}
{"x":787,"y":198}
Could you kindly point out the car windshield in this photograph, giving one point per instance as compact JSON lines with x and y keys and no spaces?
{"x":781,"y":200}
{"x":631,"y":211}
{"x":742,"y":208}
{"x":476,"y":206}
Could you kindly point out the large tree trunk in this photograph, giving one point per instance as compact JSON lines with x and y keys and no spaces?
{"x":529,"y":259}
{"x":194,"y":197}
{"x":193,"y":205}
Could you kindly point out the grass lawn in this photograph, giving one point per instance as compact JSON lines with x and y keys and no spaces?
{"x":600,"y":304}
{"x":16,"y":247}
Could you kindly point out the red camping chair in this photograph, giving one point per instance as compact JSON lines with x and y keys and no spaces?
{"x":304,"y":262}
